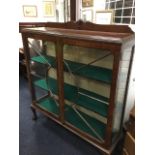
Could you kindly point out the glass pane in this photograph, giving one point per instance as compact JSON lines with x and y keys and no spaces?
{"x":87,"y":78}
{"x":126,"y":20}
{"x":87,"y":15}
{"x":112,"y":5}
{"x":128,"y":3}
{"x":66,"y":10}
{"x":118,"y":12}
{"x":36,"y":47}
{"x":133,"y":20}
{"x":120,"y":90}
{"x":117,"y":20}
{"x":43,"y":70}
{"x":119,"y":4}
{"x":127,"y":12}
{"x":133,"y":12}
{"x":107,"y":5}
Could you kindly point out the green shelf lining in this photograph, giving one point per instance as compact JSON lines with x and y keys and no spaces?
{"x":92,"y":72}
{"x":75,"y":120}
{"x":49,"y":105}
{"x":70,"y":93}
{"x":71,"y":117}
{"x":52,"y":83}
{"x":39,"y":59}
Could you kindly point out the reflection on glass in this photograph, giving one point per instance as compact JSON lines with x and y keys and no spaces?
{"x":43,"y":69}
{"x":87,"y":78}
{"x":126,"y":20}
{"x":120,"y":91}
{"x":127,"y":12}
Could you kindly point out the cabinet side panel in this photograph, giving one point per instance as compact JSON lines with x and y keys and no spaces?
{"x":121,"y":87}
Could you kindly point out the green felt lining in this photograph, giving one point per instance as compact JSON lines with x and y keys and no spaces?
{"x":92,"y":72}
{"x":49,"y":105}
{"x":43,"y":60}
{"x":75,"y":120}
{"x":70,"y":93}
{"x":71,"y":117}
{"x":52,"y":84}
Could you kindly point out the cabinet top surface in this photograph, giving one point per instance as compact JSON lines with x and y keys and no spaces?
{"x":112,"y":37}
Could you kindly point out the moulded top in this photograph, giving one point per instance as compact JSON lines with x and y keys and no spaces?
{"x":112,"y":37}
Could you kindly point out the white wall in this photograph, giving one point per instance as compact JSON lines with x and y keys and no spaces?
{"x":40,"y":16}
{"x":97,"y":6}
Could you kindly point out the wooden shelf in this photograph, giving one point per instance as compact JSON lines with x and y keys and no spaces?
{"x":71,"y":93}
{"x":49,"y":105}
{"x":42,"y":59}
{"x":92,"y":72}
{"x":42,"y":84}
{"x":75,"y":120}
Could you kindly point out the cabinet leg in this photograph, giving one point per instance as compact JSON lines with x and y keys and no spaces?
{"x":34,"y":117}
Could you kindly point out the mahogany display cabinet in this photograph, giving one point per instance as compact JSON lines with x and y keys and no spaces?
{"x":86,"y":69}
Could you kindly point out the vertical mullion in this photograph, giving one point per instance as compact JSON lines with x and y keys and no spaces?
{"x":122,"y":11}
{"x":73,"y":10}
{"x":111,"y":108}
{"x":108,"y":4}
{"x":60,"y":78}
{"x":115,"y":11}
{"x":132,"y":11}
{"x":27,"y":56}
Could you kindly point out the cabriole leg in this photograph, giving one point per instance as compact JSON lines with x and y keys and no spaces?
{"x":34,"y":117}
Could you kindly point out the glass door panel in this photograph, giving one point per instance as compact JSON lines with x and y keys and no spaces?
{"x":87,"y":80}
{"x":44,"y":72}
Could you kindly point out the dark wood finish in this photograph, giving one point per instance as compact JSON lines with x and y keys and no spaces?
{"x":73,"y":10}
{"x":112,"y":99}
{"x":34,"y":117}
{"x":110,"y":37}
{"x":27,"y":56}
{"x":79,"y":25}
{"x":39,"y":37}
{"x":130,"y":125}
{"x":22,"y":63}
{"x":23,"y":25}
{"x":92,"y":44}
{"x":59,"y":54}
{"x":132,"y":113}
{"x":129,"y":144}
{"x":105,"y":37}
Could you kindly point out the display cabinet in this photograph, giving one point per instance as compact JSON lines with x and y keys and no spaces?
{"x":85,"y":74}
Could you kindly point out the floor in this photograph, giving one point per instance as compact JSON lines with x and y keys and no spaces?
{"x":45,"y":137}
